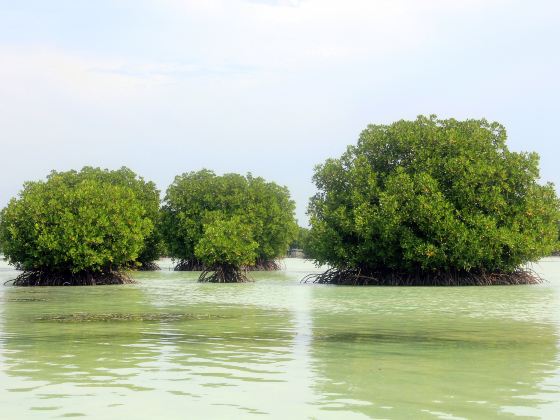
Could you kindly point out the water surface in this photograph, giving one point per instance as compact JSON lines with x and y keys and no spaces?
{"x":169,"y":347}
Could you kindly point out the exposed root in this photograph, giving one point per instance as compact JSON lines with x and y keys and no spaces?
{"x":190,"y":265}
{"x":149,"y":266}
{"x":224,"y":274}
{"x":44,"y":278}
{"x":260,"y":265}
{"x":265,"y":265}
{"x":355,"y":277}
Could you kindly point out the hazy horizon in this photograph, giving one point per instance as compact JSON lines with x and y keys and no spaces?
{"x":268,"y":87}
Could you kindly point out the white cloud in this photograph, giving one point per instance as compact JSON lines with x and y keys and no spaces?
{"x":288,"y":34}
{"x":226,"y":39}
{"x":80,"y":76}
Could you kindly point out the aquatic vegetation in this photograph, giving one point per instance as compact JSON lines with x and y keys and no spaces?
{"x":226,"y":247}
{"x":149,"y":196}
{"x":353,"y":277}
{"x":75,"y":228}
{"x":431,"y":202}
{"x":110,"y":317}
{"x":62,"y":278}
{"x":196,"y":199}
{"x":265,"y":265}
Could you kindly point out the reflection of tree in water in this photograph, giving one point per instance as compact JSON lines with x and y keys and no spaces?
{"x":242,"y":354}
{"x":117,"y":338}
{"x":409,"y":367}
{"x":78,"y":336}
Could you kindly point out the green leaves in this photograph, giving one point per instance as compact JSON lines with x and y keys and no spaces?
{"x":196,"y":200}
{"x":432,"y":195}
{"x":147,"y":194}
{"x":226,"y":242}
{"x":75,"y":222}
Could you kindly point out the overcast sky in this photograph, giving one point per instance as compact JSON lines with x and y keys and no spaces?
{"x":272,"y":87}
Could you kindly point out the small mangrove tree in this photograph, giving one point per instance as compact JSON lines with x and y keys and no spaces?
{"x":196,"y":199}
{"x":431,"y":202}
{"x":225,"y":249}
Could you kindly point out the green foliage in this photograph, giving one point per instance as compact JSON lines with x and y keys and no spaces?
{"x":74,"y":222}
{"x":301,"y":241}
{"x":147,"y":194}
{"x":270,"y":213}
{"x":300,"y":238}
{"x":226,"y":242}
{"x":197,"y":199}
{"x":432,"y":195}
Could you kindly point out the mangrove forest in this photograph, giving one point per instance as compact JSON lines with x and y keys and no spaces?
{"x":423,"y":202}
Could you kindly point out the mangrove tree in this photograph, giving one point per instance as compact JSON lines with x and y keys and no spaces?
{"x":196,"y":199}
{"x":225,"y":249}
{"x":431,"y":202}
{"x":75,"y":228}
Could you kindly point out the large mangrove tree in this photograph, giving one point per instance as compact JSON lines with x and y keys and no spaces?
{"x":76,"y":228}
{"x":196,"y":200}
{"x":431,"y":202}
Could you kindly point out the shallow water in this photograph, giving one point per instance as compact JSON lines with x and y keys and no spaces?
{"x":169,"y":347}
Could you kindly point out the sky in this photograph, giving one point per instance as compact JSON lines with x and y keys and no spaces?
{"x":271,"y":87}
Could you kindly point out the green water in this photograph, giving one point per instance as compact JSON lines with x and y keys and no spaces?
{"x":169,"y":347}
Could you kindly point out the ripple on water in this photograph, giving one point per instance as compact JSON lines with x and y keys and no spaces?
{"x":169,"y":346}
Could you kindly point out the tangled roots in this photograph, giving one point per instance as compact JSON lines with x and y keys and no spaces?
{"x":149,"y":266}
{"x":190,"y":265}
{"x":224,"y":274}
{"x":260,"y":265}
{"x":355,"y":277}
{"x":44,"y":278}
{"x":265,"y":265}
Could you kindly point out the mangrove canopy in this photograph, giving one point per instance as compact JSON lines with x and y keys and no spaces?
{"x":197,"y":199}
{"x":148,"y":196}
{"x":75,"y":228}
{"x":226,"y":247}
{"x":431,"y":202}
